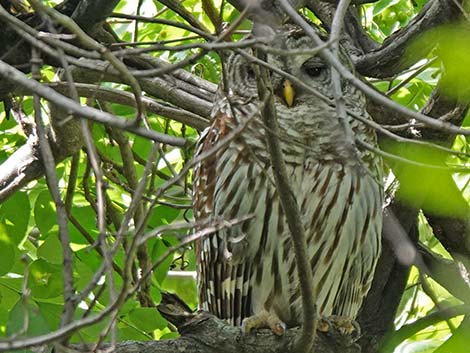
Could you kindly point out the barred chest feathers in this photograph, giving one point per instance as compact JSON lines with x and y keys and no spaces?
{"x":249,"y":269}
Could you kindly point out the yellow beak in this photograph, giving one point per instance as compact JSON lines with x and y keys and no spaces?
{"x":288,"y":92}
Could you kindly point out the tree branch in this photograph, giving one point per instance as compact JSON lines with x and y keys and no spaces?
{"x":205,"y":333}
{"x":378,"y":310}
{"x":392,"y":56}
{"x":445,"y":272}
{"x":70,"y":105}
{"x":291,"y":210}
{"x":409,"y":330}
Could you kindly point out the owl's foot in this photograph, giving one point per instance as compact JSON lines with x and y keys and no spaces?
{"x":345,"y":325}
{"x":264,"y":319}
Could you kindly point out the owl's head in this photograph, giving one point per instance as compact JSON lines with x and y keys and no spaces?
{"x":289,"y":46}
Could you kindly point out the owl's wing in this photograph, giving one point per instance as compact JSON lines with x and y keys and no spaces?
{"x":216,"y":273}
{"x":230,"y":185}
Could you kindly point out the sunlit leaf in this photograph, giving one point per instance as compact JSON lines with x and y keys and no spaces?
{"x":16,"y":211}
{"x":185,"y":287}
{"x":45,"y":279}
{"x":7,"y":250}
{"x":428,"y":185}
{"x":454,"y":52}
{"x":51,"y":250}
{"x":44,"y":213}
{"x":458,"y":342}
{"x":160,"y":247}
{"x":147,"y":319}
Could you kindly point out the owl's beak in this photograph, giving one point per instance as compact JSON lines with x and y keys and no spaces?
{"x":288,"y":92}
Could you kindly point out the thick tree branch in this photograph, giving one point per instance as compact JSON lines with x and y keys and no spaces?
{"x":20,"y":168}
{"x":87,"y":14}
{"x":379,"y":308}
{"x":207,"y":334}
{"x":445,"y":272}
{"x":392,"y":56}
{"x":182,"y":90}
{"x":378,"y":311}
{"x":122,"y":97}
{"x":25,"y":164}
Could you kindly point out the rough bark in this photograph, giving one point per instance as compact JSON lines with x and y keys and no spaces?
{"x":193,"y":97}
{"x":206,"y":334}
{"x":393,"y":55}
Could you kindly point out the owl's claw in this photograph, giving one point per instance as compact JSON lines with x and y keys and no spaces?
{"x":264,"y":320}
{"x":345,"y":325}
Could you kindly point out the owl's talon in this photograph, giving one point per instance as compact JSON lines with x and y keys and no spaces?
{"x":246,"y":326}
{"x":278,"y":328}
{"x":264,"y":320}
{"x":345,"y":325}
{"x":323,"y":325}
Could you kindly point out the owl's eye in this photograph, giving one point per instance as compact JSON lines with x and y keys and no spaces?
{"x":250,"y":73}
{"x":313,"y":69}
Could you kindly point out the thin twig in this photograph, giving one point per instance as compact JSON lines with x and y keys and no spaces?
{"x":292,"y":213}
{"x":369,"y":91}
{"x":53,"y":185}
{"x":340,"y":105}
{"x":162,"y":21}
{"x":90,"y":43}
{"x":12,"y":74}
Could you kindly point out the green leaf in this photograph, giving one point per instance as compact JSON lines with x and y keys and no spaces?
{"x":430,"y":186}
{"x":162,"y":215}
{"x":421,"y":346}
{"x":7,"y":250}
{"x":86,"y":217}
{"x":45,"y":279}
{"x":458,"y":342}
{"x":83,"y":270}
{"x":170,"y":336}
{"x":454,"y":51}
{"x":16,"y":212}
{"x":159,"y":248}
{"x":36,"y":323}
{"x":184,"y":287}
{"x":9,"y":296}
{"x":51,"y":250}
{"x":142,"y":146}
{"x":133,"y":334}
{"x":44,"y":213}
{"x":123,"y":110}
{"x":381,"y":5}
{"x":147,"y":319}
{"x":52,"y":313}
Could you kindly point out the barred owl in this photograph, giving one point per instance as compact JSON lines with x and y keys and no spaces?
{"x":249,"y":270}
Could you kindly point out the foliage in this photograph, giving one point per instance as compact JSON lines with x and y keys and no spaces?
{"x":31,"y":256}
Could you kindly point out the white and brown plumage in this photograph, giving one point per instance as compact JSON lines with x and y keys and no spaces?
{"x":249,"y":269}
